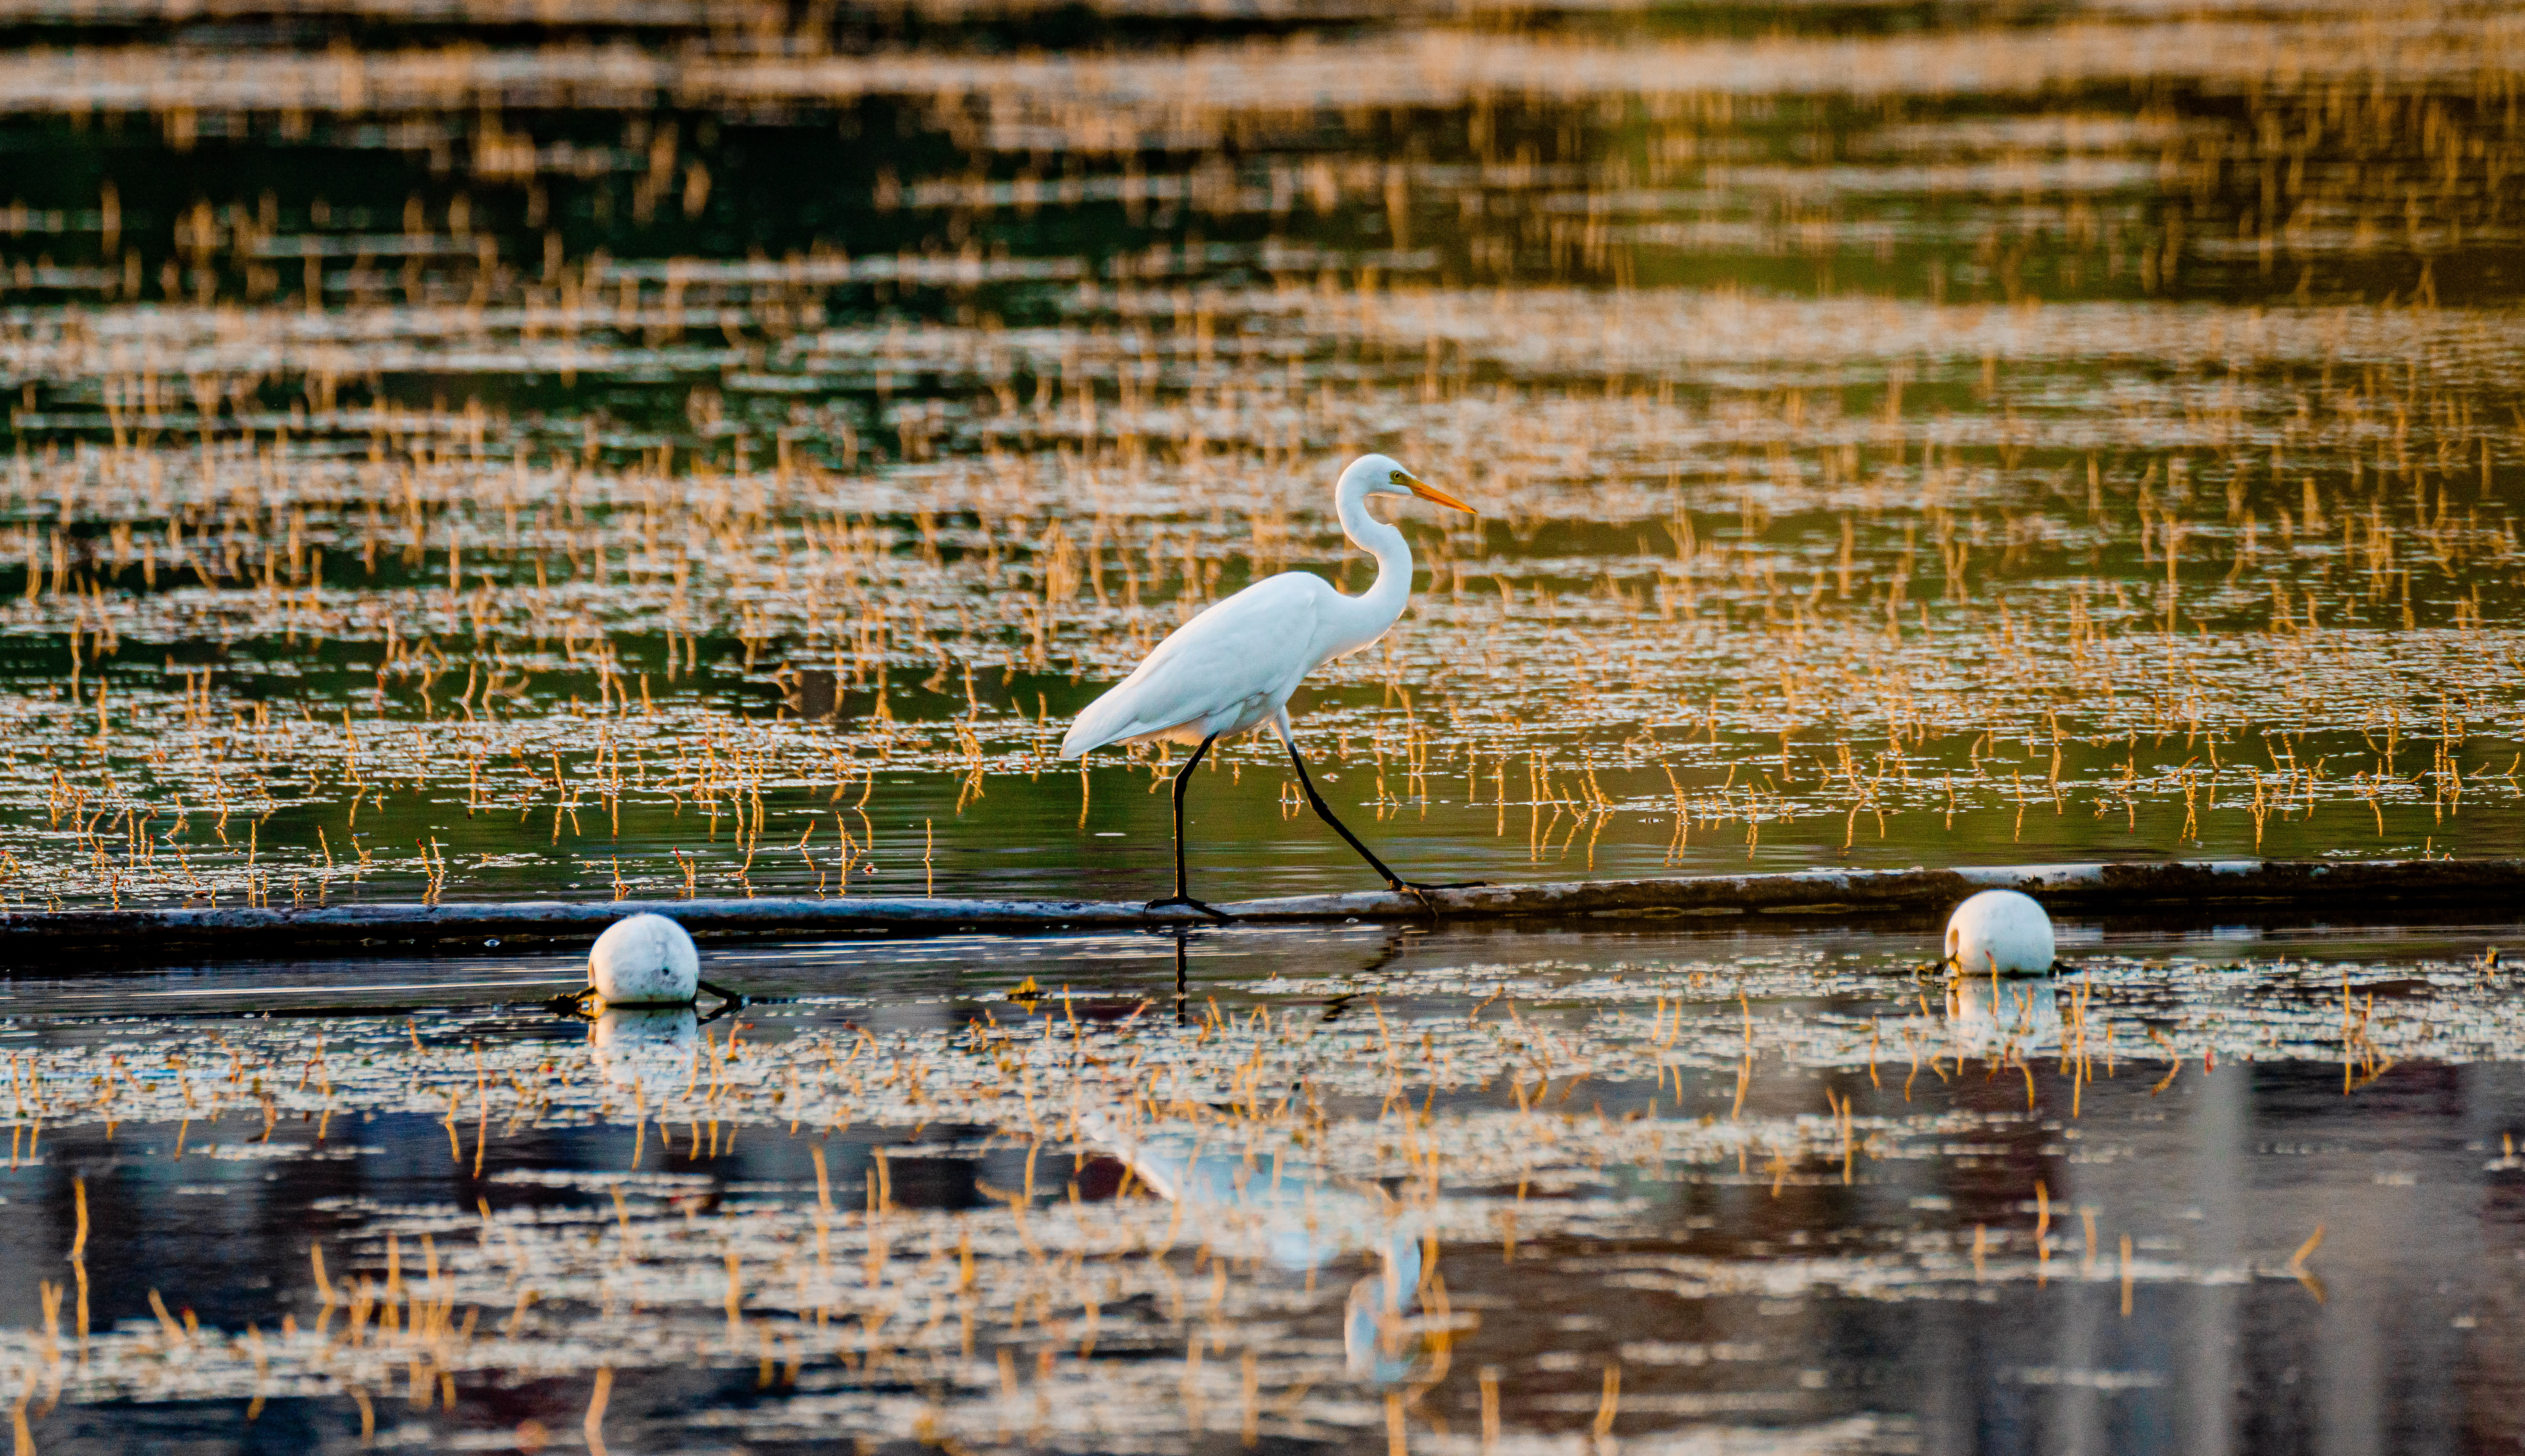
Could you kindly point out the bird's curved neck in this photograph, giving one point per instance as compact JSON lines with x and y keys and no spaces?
{"x":1365,"y":618}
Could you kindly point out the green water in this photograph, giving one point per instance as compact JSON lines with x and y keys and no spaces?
{"x":1903,"y":436}
{"x":507,"y":451}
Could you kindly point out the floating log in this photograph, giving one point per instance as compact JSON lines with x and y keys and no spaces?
{"x":2368,"y":889}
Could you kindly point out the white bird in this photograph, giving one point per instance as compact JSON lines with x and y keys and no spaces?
{"x":1233,"y":667}
{"x":644,"y":960}
{"x":1999,"y":933}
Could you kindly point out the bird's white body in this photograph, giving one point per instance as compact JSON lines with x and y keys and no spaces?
{"x":1233,"y":667}
{"x":1999,"y":933}
{"x":645,"y":959}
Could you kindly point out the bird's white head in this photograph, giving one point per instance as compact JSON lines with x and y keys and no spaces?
{"x":1382,"y":475}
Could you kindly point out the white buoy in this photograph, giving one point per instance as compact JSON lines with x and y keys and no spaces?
{"x":1999,"y":933}
{"x":645,"y":959}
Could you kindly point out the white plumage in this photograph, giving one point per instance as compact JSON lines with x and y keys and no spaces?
{"x":1230,"y":669}
{"x":1233,"y":667}
{"x":1999,"y":931}
{"x":644,"y":960}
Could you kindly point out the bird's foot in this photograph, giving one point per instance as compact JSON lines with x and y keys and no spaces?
{"x":1188,"y":902}
{"x":1421,"y":892}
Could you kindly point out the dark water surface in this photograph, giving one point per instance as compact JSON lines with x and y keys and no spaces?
{"x":1618,"y":1164}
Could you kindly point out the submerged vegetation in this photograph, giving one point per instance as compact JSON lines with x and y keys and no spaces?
{"x":1350,"y":1204}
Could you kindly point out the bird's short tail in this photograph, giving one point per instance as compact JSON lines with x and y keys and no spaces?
{"x":1101,"y":724}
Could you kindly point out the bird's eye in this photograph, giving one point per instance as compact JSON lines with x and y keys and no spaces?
{"x":1395,"y":478}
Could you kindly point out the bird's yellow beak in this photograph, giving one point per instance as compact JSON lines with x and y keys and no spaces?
{"x":1429,"y":492}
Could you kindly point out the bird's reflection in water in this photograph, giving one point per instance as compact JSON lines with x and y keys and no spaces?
{"x":650,"y":1047}
{"x":1999,"y":1015}
{"x":1290,"y":1212}
{"x":1373,"y":1331}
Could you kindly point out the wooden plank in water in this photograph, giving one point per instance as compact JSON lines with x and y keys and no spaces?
{"x":2357,"y":887}
{"x":2368,"y":889}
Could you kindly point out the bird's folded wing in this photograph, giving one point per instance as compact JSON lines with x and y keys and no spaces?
{"x":1255,"y":644}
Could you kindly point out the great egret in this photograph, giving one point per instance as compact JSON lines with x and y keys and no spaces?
{"x":1999,"y":933}
{"x":1233,"y":667}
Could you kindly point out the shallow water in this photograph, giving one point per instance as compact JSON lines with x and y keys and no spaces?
{"x":1791,"y":1197}
{"x":470,"y":451}
{"x":481,"y":450}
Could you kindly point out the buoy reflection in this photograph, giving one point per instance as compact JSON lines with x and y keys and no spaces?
{"x":1986,"y":1014}
{"x":649,"y":1047}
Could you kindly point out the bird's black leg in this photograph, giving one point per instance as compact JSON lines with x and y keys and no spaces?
{"x":1183,"y":989}
{"x":1183,"y":777}
{"x":1324,"y":812}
